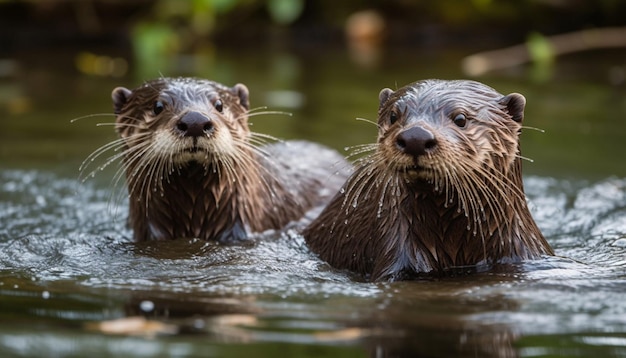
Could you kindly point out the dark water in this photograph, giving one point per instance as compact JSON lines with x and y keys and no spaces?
{"x":68,"y":268}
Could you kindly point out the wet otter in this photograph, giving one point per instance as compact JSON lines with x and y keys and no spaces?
{"x":193,"y":171}
{"x":441,"y":190}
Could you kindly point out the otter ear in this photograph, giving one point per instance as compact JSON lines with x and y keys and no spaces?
{"x":514,"y":104}
{"x":242,"y":92}
{"x":383,"y":96}
{"x":120,"y":97}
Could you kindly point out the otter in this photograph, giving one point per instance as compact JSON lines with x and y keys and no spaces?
{"x":194,"y":169}
{"x":441,"y":191}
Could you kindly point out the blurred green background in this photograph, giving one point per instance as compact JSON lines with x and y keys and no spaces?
{"x":324,"y":61}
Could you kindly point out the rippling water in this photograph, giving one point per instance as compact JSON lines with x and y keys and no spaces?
{"x":73,"y":284}
{"x":67,"y":264}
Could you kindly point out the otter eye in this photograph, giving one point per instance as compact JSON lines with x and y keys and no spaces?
{"x":158,"y":108}
{"x":393,"y":117}
{"x":460,"y":120}
{"x":219,"y":106}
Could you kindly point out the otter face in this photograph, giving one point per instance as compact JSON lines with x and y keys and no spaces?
{"x":434,"y":129}
{"x":182,"y":120}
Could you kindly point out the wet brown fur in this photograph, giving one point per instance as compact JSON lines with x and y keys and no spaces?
{"x":219,"y":186}
{"x":460,"y":204}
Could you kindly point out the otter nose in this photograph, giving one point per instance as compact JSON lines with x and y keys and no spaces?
{"x":194,"y":124}
{"x":415,"y":141}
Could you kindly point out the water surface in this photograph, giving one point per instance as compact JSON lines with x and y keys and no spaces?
{"x":68,"y":268}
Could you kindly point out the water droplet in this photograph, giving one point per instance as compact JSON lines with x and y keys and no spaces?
{"x":619,"y":243}
{"x":146,"y":306}
{"x":198,"y":324}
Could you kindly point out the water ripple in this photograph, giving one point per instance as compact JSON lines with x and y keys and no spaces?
{"x":60,"y":240}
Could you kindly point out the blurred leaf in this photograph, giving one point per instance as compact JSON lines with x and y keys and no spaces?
{"x":285,"y":11}
{"x":542,"y":56}
{"x":152,"y":39}
{"x":165,"y":9}
{"x":203,"y":22}
{"x":540,"y":49}
{"x":153,"y":43}
{"x":222,"y":6}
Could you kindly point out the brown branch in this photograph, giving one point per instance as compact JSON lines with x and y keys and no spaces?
{"x":483,"y":62}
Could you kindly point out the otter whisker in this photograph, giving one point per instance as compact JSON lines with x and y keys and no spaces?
{"x":249,"y":114}
{"x":360,"y":149}
{"x":255,"y":109}
{"x":125,"y":125}
{"x":495,"y":201}
{"x":257,"y":142}
{"x":91,"y":116}
{"x":524,"y":158}
{"x":366,"y":146}
{"x":257,"y":135}
{"x":109,"y":161}
{"x":501,"y":181}
{"x":368,"y":121}
{"x":131,"y":156}
{"x":364,"y":181}
{"x":351,"y":190}
{"x":118,"y":143}
{"x":249,"y":162}
{"x":534,"y":129}
{"x":259,"y":151}
{"x":474,"y":184}
{"x":364,"y":185}
{"x":383,"y":193}
{"x":139,"y":164}
{"x":114,"y":146}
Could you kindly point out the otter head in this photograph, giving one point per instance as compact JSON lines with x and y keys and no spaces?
{"x":432,"y":130}
{"x":177,"y":121}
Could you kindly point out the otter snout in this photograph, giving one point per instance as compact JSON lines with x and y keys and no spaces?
{"x":194,"y":124}
{"x":415,"y":141}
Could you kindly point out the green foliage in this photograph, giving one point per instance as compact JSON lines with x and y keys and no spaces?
{"x":152,"y":43}
{"x":221,"y":6}
{"x":542,"y":57}
{"x":285,"y":11}
{"x":540,"y":49}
